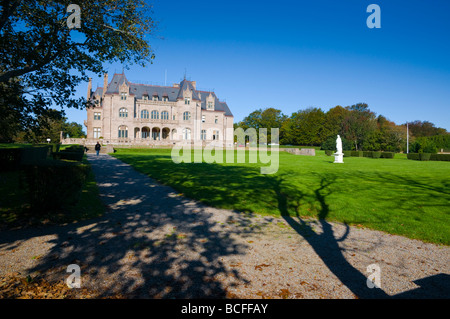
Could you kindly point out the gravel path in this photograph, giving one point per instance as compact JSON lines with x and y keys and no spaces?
{"x":154,"y":243}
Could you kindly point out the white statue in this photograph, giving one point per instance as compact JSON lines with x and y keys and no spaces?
{"x":339,"y":145}
{"x":339,"y":156}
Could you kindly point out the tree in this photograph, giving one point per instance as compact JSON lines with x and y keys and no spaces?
{"x":267,"y":119}
{"x":49,"y":59}
{"x":305,"y":127}
{"x":359,"y":123}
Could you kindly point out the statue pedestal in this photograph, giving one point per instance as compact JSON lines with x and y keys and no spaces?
{"x":338,"y":158}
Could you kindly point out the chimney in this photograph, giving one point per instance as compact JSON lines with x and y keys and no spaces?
{"x":105,"y":84}
{"x":89,"y":91}
{"x":194,"y":84}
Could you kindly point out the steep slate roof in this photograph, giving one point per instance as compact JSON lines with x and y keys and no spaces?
{"x":173,"y":93}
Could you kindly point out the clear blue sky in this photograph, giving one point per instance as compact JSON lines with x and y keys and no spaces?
{"x":292,"y":55}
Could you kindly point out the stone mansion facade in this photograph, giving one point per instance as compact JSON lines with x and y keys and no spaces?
{"x":138,"y":114}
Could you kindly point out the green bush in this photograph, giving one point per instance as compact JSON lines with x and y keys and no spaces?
{"x":413,"y":156}
{"x":424,"y":156}
{"x":54,"y":184}
{"x":376,"y":154}
{"x":66,"y":155}
{"x":357,"y":153}
{"x":10,"y":158}
{"x":31,"y":155}
{"x":367,"y":153}
{"x":347,"y":153}
{"x":387,"y":155}
{"x":440,"y":157}
{"x":328,"y":152}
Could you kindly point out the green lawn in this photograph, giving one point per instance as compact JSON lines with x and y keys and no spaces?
{"x":399,"y":196}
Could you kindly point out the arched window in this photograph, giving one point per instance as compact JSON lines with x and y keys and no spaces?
{"x":164,"y":115}
{"x":186,"y":116}
{"x":123,"y":112}
{"x":123,"y":131}
{"x":187,"y":134}
{"x":155,"y":115}
{"x":144,"y":114}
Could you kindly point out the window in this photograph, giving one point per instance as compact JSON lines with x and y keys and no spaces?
{"x":216,"y":120}
{"x":164,"y":115}
{"x":145,"y":97}
{"x":210,"y":105}
{"x":173,"y":117}
{"x":97,"y":132}
{"x":144,"y":114}
{"x":203,"y":135}
{"x":186,"y":116}
{"x":165,"y":99}
{"x":203,"y":119}
{"x":97,"y":116}
{"x":186,"y":134}
{"x":123,"y":96}
{"x":215,"y":135}
{"x":187,"y":101}
{"x":155,"y":115}
{"x":123,"y":112}
{"x":155,"y":98}
{"x":123,"y":132}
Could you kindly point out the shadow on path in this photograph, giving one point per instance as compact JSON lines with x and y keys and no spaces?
{"x":152,"y":243}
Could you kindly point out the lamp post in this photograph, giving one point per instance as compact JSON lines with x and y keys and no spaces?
{"x":407,"y":138}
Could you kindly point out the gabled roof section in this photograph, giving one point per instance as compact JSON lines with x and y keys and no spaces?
{"x":117,"y":80}
{"x":187,"y":85}
{"x":218,"y":105}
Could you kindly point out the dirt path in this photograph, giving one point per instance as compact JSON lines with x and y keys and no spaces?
{"x":155,"y":243}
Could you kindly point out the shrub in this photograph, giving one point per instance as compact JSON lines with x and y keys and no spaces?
{"x":328,"y":152}
{"x":357,"y":153}
{"x":31,"y":155}
{"x":54,"y":184}
{"x":440,"y":157}
{"x":413,"y":156}
{"x":424,"y":156}
{"x":347,"y":153}
{"x":66,"y":155}
{"x":376,"y":154}
{"x":367,"y":153}
{"x":10,"y":158}
{"x":387,"y":155}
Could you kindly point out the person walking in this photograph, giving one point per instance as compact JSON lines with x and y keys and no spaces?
{"x":97,"y":148}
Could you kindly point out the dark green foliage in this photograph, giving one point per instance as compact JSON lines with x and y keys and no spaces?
{"x":10,"y":158}
{"x":376,"y":154}
{"x":387,"y":155}
{"x":440,"y":157}
{"x":329,"y":152}
{"x":424,"y":156}
{"x":347,"y":153}
{"x":413,"y":156}
{"x":72,"y":153}
{"x":357,"y":153}
{"x":54,"y":184}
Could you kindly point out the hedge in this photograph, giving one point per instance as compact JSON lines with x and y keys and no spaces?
{"x":428,"y":157}
{"x":10,"y":158}
{"x":328,"y":152}
{"x":357,"y":153}
{"x":440,"y":157}
{"x":376,"y":154}
{"x":413,"y":156}
{"x":54,"y":184}
{"x":387,"y":155}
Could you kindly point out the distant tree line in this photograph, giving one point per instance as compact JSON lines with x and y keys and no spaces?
{"x":358,"y":126}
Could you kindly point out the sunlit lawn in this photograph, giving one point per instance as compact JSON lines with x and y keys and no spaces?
{"x":399,"y":196}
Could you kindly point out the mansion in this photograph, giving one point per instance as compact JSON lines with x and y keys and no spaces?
{"x":138,"y":114}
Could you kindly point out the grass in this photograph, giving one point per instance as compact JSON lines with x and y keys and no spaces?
{"x":15,"y":210}
{"x":398,"y":196}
